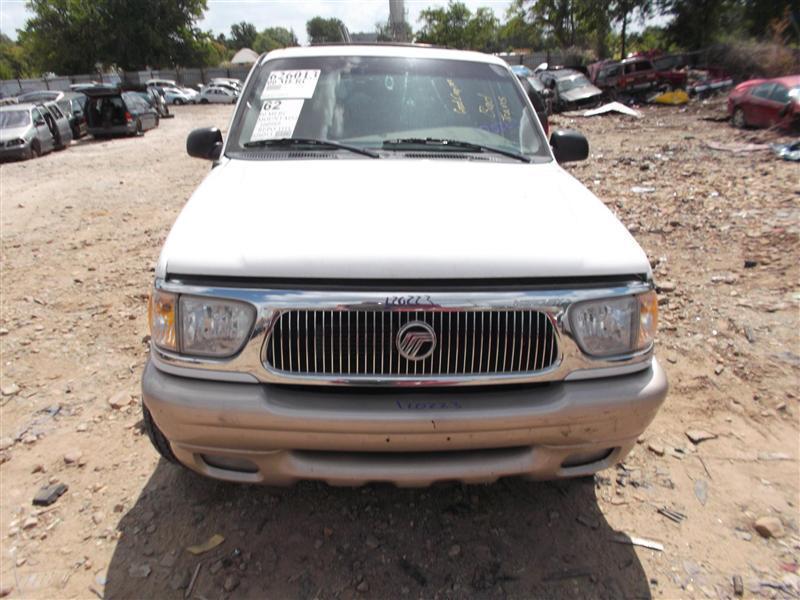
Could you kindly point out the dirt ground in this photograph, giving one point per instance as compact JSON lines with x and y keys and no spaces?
{"x":81,"y":231}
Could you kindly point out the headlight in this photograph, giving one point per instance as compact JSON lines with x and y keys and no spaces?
{"x":16,"y":142}
{"x":212,"y":327}
{"x":199,"y":326}
{"x":615,"y":326}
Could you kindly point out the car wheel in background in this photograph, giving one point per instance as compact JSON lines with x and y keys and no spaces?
{"x":739,"y":121}
{"x":203,"y":101}
{"x":158,"y":120}
{"x":177,"y":101}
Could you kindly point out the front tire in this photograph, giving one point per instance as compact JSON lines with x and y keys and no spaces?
{"x":739,"y":120}
{"x":159,"y":441}
{"x":203,"y":101}
{"x":36,"y":149}
{"x":177,"y":101}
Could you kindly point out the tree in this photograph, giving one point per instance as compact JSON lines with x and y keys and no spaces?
{"x":243,"y":35}
{"x":761,"y":17}
{"x":14,"y":61}
{"x":73,"y":36}
{"x":697,"y":23}
{"x":64,"y":36}
{"x":457,"y":27}
{"x":322,"y":31}
{"x":390,"y":32}
{"x":623,"y":12}
{"x":274,"y":37}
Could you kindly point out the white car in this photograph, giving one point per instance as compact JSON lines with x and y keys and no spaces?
{"x":217,"y":95}
{"x":161,"y":83}
{"x":388,"y":276}
{"x":175,"y":95}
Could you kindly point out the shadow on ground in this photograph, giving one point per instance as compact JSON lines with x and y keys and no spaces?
{"x":510,"y":539}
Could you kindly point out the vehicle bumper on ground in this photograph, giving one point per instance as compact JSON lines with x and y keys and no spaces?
{"x":277,"y":435}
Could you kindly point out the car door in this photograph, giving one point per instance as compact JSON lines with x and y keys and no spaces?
{"x":757,"y":106}
{"x":43,"y":133}
{"x":777,"y":101}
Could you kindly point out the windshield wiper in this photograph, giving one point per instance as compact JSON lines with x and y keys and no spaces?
{"x":283,"y":142}
{"x":455,"y":144}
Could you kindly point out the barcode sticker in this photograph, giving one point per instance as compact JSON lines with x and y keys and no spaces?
{"x":277,"y":119}
{"x":299,"y":83}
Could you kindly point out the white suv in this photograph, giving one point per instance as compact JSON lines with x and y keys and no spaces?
{"x":387,"y":276}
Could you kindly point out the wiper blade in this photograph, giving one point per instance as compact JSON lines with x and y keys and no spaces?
{"x":455,"y":144}
{"x":282,"y":142}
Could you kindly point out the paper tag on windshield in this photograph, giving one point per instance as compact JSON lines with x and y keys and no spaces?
{"x":291,"y":84}
{"x":277,"y":119}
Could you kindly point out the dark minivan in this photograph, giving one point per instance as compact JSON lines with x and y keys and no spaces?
{"x":111,"y":111}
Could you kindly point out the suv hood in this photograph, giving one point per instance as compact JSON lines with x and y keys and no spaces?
{"x":396,"y":219}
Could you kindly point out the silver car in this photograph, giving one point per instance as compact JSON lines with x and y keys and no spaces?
{"x":24,"y":132}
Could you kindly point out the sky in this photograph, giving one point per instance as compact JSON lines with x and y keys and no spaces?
{"x":358,"y":15}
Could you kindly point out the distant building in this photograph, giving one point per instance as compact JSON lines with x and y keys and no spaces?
{"x":245,"y":56}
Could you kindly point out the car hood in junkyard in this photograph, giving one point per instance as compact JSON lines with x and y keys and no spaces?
{"x":13,"y":133}
{"x":581,"y":93}
{"x":356,"y":218}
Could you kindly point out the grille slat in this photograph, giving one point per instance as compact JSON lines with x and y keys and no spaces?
{"x":363,"y":343}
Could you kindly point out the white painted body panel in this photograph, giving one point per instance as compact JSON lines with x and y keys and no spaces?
{"x":357,"y":218}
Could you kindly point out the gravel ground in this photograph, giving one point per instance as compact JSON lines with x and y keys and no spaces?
{"x":81,"y":231}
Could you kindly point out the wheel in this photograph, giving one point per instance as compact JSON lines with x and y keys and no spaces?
{"x":36,"y":149}
{"x":158,"y":120}
{"x":739,"y":121}
{"x":139,"y":130}
{"x":160,"y":443}
{"x":178,"y":101}
{"x":203,"y":101}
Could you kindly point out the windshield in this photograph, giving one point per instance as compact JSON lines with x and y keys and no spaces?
{"x":14,"y":118}
{"x":574,"y":82}
{"x":365,"y":101}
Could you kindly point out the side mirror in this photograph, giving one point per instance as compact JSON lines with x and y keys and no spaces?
{"x":39,"y":122}
{"x":569,"y":146}
{"x":205,"y":143}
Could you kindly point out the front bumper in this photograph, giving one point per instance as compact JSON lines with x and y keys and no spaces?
{"x":347,"y":436}
{"x":15,"y":152}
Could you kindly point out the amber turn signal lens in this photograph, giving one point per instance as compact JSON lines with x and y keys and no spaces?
{"x":648,"y":319}
{"x":161,"y":317}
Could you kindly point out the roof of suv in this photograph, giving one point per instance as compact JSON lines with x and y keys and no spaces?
{"x":389,"y":50}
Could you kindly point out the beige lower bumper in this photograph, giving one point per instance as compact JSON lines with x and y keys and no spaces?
{"x":278,"y":435}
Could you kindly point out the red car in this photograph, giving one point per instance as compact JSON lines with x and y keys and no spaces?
{"x":766,"y":102}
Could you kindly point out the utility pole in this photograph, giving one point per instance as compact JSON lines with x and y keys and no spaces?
{"x":397,"y":20}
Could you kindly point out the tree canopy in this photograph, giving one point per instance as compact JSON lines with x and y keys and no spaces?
{"x":80,"y":36}
{"x":322,"y":31}
{"x":73,"y":36}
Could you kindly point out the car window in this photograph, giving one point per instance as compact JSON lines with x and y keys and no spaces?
{"x":574,"y":82}
{"x":367,"y":100}
{"x":14,"y":118}
{"x":763,"y":90}
{"x":37,"y":115}
{"x":630,"y":67}
{"x":644,"y":66}
{"x":780,"y":94}
{"x":55,"y":111}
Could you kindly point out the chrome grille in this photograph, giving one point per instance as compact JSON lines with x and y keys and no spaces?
{"x":356,"y":343}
